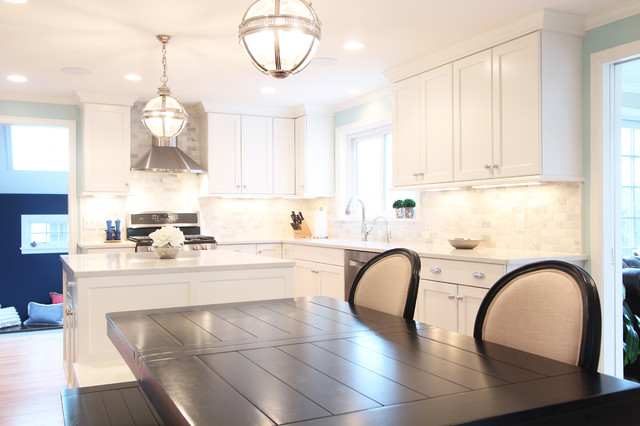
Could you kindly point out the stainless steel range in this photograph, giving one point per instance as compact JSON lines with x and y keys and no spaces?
{"x":143,"y":224}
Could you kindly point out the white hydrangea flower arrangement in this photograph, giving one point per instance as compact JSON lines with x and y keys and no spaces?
{"x":166,"y":236}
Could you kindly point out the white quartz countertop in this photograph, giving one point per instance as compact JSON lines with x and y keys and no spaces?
{"x":478,"y":254}
{"x":113,"y":264}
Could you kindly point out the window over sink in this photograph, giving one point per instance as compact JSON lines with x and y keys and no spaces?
{"x":365,"y":170}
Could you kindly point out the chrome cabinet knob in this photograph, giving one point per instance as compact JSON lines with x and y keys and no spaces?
{"x":478,"y":275}
{"x":435,"y":270}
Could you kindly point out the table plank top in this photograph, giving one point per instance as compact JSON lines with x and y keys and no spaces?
{"x":321,"y":361}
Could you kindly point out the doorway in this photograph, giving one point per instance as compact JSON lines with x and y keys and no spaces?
{"x":606,"y":196}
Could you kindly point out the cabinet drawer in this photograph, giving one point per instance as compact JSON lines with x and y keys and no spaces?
{"x":459,"y":272}
{"x":330,"y":256}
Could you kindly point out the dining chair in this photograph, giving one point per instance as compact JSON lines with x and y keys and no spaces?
{"x":388,"y":283}
{"x":549,"y":308}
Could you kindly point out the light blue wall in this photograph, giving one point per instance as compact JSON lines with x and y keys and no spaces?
{"x":375,"y":108}
{"x":601,"y":38}
{"x":23,"y":182}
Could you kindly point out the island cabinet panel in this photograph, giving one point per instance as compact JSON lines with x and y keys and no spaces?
{"x":134,"y":281}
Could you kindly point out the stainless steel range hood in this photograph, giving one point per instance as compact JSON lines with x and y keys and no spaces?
{"x":165,"y":156}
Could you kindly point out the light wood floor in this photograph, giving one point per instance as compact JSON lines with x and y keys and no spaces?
{"x":31,"y":378}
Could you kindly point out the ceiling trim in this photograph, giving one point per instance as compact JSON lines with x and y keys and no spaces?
{"x":612,"y":14}
{"x":209,"y":106}
{"x":545,"y":19}
{"x":363,"y":99}
{"x":104,"y":98}
{"x":23,"y":97}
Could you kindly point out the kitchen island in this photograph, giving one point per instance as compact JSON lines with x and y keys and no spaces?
{"x":95,"y":284}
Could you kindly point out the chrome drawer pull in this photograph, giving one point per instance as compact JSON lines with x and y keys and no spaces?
{"x":459,"y":297}
{"x":71,"y":284}
{"x":435,"y":270}
{"x":451,"y":296}
{"x":479,"y":275}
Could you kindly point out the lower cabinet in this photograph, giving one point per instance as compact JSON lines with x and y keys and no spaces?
{"x":319,"y":271}
{"x":319,"y":279}
{"x":269,"y":249}
{"x":449,"y":306}
{"x":451,"y":292}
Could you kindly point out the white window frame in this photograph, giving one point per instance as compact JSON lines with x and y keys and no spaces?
{"x":27,"y":240}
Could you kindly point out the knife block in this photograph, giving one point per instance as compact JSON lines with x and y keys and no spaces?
{"x":303,"y":232}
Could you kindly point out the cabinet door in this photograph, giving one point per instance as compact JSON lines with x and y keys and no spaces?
{"x":469,"y":300}
{"x":314,"y":155}
{"x":257,"y":155}
{"x":407,"y":153}
{"x":472,"y":117}
{"x":239,"y":248}
{"x":106,"y":148}
{"x":284,"y":162}
{"x":331,"y":281}
{"x":516,"y":107}
{"x":436,"y":125}
{"x":306,"y":281}
{"x":439,"y":302}
{"x":223,"y":154}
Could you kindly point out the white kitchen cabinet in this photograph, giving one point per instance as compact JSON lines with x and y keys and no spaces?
{"x":284,"y":160}
{"x":106,"y":145}
{"x":517,"y":110}
{"x":451,"y":291}
{"x":257,"y":154}
{"x":449,"y":306}
{"x":270,"y":250}
{"x":314,"y":142}
{"x":239,"y":153}
{"x":423,"y":128}
{"x":319,"y":279}
{"x":319,"y":271}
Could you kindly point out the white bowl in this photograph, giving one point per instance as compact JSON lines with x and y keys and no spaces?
{"x":464,"y":243}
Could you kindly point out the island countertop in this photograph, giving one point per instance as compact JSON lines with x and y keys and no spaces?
{"x":114,"y":264}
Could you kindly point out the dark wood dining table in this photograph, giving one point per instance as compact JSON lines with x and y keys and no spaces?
{"x":320,"y":361}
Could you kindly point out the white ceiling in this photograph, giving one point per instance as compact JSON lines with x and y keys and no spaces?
{"x":112,"y":38}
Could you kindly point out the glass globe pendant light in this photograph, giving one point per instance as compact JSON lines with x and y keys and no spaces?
{"x":280,"y":36}
{"x":164,"y":116}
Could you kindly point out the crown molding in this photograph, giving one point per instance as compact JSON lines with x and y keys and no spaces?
{"x":612,"y":14}
{"x":209,"y":106}
{"x":103,"y":98}
{"x":363,"y":99}
{"x":545,"y":19}
{"x":21,"y":97}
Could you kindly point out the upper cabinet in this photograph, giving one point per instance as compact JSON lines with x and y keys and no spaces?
{"x":239,"y":153}
{"x":106,"y":145}
{"x":501,"y":115}
{"x":423,"y":122}
{"x":269,"y":156}
{"x":314,"y":155}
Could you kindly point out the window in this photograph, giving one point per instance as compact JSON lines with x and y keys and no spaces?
{"x":630,"y":178}
{"x":45,"y":233}
{"x":39,"y":148}
{"x":370,"y":176}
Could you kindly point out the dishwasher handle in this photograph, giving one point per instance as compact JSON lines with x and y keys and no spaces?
{"x":356,"y":262}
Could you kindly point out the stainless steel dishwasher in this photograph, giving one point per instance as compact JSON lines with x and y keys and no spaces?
{"x":354,"y":260}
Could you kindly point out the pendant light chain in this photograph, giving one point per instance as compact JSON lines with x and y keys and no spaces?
{"x":164,"y":77}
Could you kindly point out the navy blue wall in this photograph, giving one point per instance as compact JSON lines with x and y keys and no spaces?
{"x":27,"y":277}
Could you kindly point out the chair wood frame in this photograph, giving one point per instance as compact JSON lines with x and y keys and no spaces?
{"x":589,"y":351}
{"x":414,"y":280}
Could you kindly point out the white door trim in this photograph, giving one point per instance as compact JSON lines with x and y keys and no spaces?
{"x":605,"y":248}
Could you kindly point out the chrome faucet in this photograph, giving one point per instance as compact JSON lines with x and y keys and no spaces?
{"x":387,"y":233}
{"x":363,"y":228}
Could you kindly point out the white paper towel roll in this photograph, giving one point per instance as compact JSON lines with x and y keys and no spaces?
{"x":320,"y":224}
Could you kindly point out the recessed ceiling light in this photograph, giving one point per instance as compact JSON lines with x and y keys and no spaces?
{"x":353,"y":92}
{"x":75,"y":71}
{"x":132,"y":77}
{"x":268,"y":90}
{"x":353,"y":45}
{"x":17,"y":78}
{"x":16,"y":1}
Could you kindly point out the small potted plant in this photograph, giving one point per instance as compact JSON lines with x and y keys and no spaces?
{"x":408,"y":206}
{"x":397,"y":205}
